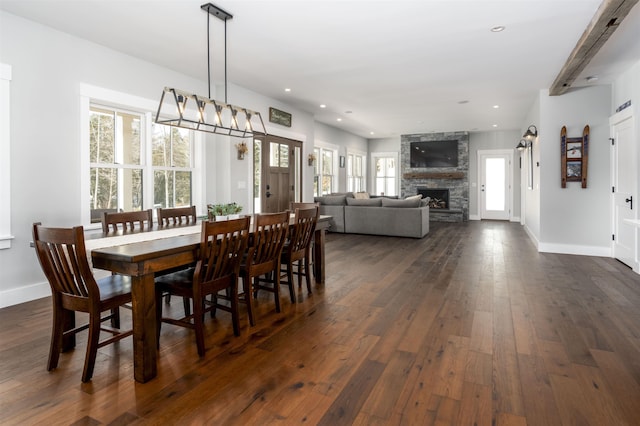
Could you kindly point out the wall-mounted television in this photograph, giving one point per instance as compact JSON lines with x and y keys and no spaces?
{"x":434,"y":154}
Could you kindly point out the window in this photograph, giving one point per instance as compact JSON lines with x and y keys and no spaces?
{"x":115,"y":172}
{"x":385,"y":172}
{"x":324,"y":180}
{"x":355,"y":173}
{"x":171,"y":161}
{"x":131,"y":163}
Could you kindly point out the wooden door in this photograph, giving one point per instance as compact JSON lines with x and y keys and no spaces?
{"x":624,"y":175}
{"x":281,"y":174}
{"x":495,"y":184}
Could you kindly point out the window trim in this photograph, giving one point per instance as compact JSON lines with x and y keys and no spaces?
{"x":89,"y":95}
{"x":5,"y":157}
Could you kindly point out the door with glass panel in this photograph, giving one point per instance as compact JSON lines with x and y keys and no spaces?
{"x":495,"y":184}
{"x":385,"y":174}
{"x":280,"y":177}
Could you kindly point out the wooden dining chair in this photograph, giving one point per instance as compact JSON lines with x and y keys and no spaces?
{"x":297,"y":250}
{"x":260,"y":270}
{"x":128,"y":221}
{"x":177,"y":216}
{"x":222,"y":246}
{"x":63,"y":257}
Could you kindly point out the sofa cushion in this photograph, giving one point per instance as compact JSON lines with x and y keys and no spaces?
{"x":331,"y":200}
{"x":425,"y":202}
{"x":365,"y":202}
{"x":361,"y":195}
{"x":414,"y":197}
{"x":388,"y":202}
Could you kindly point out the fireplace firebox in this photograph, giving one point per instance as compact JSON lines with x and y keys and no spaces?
{"x":439,"y":197}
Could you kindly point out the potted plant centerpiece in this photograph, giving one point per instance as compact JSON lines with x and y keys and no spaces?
{"x":223,"y":211}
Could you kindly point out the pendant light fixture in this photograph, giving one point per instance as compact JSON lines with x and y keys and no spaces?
{"x":194,"y":112}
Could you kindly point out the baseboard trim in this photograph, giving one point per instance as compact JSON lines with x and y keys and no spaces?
{"x":27,"y":293}
{"x":474,"y":217}
{"x":574,"y":249}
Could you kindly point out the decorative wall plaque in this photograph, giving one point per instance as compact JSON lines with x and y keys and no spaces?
{"x":574,"y":156}
{"x":279,"y":117}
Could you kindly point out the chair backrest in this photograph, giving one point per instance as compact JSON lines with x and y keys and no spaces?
{"x":271,"y":230}
{"x":128,"y":220}
{"x":222,"y":246}
{"x":63,"y":259}
{"x":294,"y":206}
{"x":305,"y":225}
{"x":177,"y":216}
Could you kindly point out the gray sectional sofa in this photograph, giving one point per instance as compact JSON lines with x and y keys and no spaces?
{"x":376,"y":216}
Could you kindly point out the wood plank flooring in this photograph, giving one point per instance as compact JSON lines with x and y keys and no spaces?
{"x":467,"y":326}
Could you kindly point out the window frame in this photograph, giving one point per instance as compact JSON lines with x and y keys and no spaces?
{"x":97,"y":96}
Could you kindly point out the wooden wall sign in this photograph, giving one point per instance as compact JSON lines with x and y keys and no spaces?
{"x":574,"y":156}
{"x":279,"y":117}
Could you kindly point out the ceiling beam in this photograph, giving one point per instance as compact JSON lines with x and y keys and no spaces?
{"x":606,"y":20}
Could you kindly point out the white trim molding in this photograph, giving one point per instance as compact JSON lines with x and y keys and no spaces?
{"x":5,"y":157}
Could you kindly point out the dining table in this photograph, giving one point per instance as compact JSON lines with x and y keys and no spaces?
{"x":168,"y":249}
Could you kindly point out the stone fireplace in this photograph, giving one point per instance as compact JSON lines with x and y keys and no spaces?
{"x":453,"y":180}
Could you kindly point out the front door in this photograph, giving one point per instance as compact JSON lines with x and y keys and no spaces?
{"x":494,"y":194}
{"x":624,"y":190}
{"x":281,"y":170}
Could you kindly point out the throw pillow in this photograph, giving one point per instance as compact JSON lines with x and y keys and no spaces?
{"x":365,"y":202}
{"x":389,"y":202}
{"x":414,"y":197}
{"x":361,"y":195}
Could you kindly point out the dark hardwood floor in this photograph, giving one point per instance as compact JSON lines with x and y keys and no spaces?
{"x":467,"y":326}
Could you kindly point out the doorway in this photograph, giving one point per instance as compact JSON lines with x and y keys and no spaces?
{"x":624,"y":191}
{"x":277,"y":173}
{"x":495,"y":183}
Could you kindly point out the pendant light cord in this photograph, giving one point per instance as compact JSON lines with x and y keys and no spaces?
{"x":208,"y":58}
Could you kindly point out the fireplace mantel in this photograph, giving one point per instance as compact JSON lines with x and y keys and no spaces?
{"x":434,"y":175}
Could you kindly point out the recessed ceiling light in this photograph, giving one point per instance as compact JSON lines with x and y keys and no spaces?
{"x":498,"y":28}
{"x":287,"y":89}
{"x":591,"y":78}
{"x":494,"y":125}
{"x":338,"y":119}
{"x":323,"y":106}
{"x":496,"y":106}
{"x":348,"y":112}
{"x":372,"y":133}
{"x":463,"y":102}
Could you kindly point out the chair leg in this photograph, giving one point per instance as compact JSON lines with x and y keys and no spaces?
{"x":159,"y":315}
{"x":56,"y":338}
{"x":115,"y":318}
{"x":167,"y":298}
{"x":276,"y":291}
{"x":247,"y":288}
{"x":307,"y":272}
{"x":92,"y":346}
{"x":292,"y":292}
{"x":187,"y":306}
{"x":198,"y":324}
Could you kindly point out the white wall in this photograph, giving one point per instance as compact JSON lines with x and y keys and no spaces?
{"x":531,"y":197}
{"x":48,"y":67}
{"x":498,"y":139}
{"x":575,"y":219}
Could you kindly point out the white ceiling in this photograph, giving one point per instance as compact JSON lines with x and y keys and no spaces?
{"x":401,"y":66}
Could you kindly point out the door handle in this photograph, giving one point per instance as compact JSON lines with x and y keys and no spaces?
{"x":630,"y":201}
{"x":268,"y":194}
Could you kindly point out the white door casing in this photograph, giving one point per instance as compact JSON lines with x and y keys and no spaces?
{"x":624,"y":191}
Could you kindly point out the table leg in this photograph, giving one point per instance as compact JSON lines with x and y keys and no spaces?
{"x":318,"y":255}
{"x":145,"y":350}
